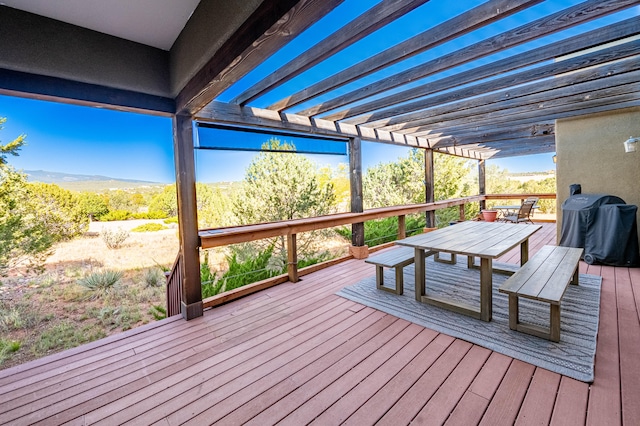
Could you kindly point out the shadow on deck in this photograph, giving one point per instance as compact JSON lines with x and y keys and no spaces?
{"x":299,"y":353}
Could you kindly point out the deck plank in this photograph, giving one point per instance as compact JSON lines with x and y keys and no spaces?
{"x":629,"y":343}
{"x":604,"y":396}
{"x":300,"y":353}
{"x":507,"y":400}
{"x":537,"y":406}
{"x":571,"y":404}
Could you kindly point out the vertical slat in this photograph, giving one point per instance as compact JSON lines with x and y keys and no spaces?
{"x":461,"y":207}
{"x":174,"y":287}
{"x":292,"y":258}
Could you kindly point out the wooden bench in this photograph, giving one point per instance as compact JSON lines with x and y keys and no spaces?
{"x":397,"y":258}
{"x":545,"y":277}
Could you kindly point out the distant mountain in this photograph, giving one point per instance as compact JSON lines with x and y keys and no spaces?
{"x":85,"y":182}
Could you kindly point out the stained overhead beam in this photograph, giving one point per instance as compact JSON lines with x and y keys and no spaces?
{"x":440,"y":34}
{"x":516,"y":147}
{"x":493,"y":135}
{"x":466,"y":22}
{"x":564,"y":19}
{"x":370,"y":21}
{"x":476,"y":95}
{"x":363,"y":113}
{"x":223,"y":113}
{"x":564,"y":99}
{"x":610,"y":103}
{"x":625,"y":71}
{"x":271,"y":26}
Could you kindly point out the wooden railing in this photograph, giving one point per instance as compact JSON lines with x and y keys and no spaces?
{"x":218,"y":237}
{"x":174,"y":288}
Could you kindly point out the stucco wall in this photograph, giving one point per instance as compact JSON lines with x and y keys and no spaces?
{"x":590,"y":152}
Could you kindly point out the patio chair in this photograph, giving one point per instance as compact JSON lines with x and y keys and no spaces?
{"x":524,"y":212}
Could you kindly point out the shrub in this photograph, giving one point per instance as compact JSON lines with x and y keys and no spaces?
{"x":114,"y":215}
{"x":240,"y":273}
{"x":382,"y":231}
{"x":154,"y":277}
{"x":114,"y":239}
{"x":7,"y":347}
{"x":158,"y":312}
{"x":101,"y":281}
{"x":149,"y":227}
{"x":169,"y":220}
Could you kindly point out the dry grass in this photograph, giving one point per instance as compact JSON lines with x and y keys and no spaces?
{"x":51,"y":312}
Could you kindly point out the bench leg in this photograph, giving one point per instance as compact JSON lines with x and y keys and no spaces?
{"x":379,"y":277}
{"x":574,"y":279}
{"x":554,"y":323}
{"x":399,"y":279}
{"x":420,"y":274}
{"x":513,"y":312}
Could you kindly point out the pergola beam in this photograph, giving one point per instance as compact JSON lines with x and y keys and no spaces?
{"x":482,"y":15}
{"x":223,"y":113}
{"x":271,"y":26}
{"x":543,"y":95}
{"x":382,"y":108}
{"x":561,"y":20}
{"x":476,"y":95}
{"x":368,"y":22}
{"x":541,"y":107}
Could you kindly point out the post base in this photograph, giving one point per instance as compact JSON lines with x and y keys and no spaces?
{"x":359,"y":252}
{"x":191,"y":311}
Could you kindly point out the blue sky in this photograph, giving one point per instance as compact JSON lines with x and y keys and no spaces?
{"x":84,"y":140}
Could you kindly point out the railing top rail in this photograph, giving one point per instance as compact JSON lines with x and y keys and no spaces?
{"x":238,"y":234}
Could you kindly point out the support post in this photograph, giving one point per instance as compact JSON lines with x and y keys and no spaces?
{"x":358,"y":249}
{"x":292,"y":258}
{"x":191,"y":304}
{"x":429,"y":186}
{"x":482,"y":179}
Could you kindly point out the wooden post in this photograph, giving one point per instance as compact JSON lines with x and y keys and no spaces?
{"x":482,"y":190}
{"x":292,"y":258}
{"x":429,"y":186}
{"x":191,"y":304}
{"x":402,"y":227}
{"x":358,"y":249}
{"x":461,"y":212}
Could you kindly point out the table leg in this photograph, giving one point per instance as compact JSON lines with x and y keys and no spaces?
{"x":420,"y":274}
{"x":486,"y":291}
{"x":524,"y":252}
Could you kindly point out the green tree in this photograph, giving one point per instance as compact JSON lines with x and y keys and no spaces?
{"x":58,"y":209}
{"x":23,"y":239}
{"x":284,"y":186}
{"x":165,"y":202}
{"x":395,"y":183}
{"x":402,"y":182}
{"x":92,"y":204}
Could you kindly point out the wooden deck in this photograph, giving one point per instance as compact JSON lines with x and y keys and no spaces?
{"x":298,"y":354}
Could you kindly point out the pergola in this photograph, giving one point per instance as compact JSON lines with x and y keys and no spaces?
{"x":491,"y":96}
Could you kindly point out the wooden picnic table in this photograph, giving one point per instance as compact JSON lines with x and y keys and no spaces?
{"x":486,"y":240}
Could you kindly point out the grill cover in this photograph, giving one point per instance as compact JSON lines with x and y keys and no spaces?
{"x":604,"y":226}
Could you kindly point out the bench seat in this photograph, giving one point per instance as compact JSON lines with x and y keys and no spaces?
{"x":545,"y":277}
{"x":397,"y":258}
